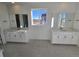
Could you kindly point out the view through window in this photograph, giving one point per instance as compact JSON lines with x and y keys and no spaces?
{"x":39,"y":16}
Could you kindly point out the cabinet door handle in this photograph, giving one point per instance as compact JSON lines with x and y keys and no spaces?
{"x":14,"y":35}
{"x":64,"y":36}
{"x":72,"y":36}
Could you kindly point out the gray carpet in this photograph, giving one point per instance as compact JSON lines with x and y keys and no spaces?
{"x":39,"y":48}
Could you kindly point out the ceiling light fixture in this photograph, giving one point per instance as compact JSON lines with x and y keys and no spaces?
{"x":12,"y":2}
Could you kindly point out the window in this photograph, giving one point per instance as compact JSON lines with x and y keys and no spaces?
{"x":38,"y":16}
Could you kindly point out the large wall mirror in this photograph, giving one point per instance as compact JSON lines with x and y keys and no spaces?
{"x":21,"y":20}
{"x":63,"y":18}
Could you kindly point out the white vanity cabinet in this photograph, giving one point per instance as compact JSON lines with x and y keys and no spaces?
{"x":64,"y":37}
{"x":17,"y":36}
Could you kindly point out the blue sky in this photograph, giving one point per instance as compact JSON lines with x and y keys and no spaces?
{"x":36,"y":13}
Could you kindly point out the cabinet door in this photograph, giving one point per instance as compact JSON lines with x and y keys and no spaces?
{"x":67,"y":37}
{"x":54,"y":37}
{"x":27,"y":36}
{"x":57,"y":38}
{"x":7,"y":36}
{"x":14,"y":37}
{"x":23,"y":36}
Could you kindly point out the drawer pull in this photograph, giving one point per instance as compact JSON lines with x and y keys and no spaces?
{"x":57,"y":36}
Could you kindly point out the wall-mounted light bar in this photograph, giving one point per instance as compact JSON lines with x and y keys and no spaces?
{"x":12,"y":2}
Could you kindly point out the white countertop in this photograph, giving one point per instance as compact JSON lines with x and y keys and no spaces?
{"x":16,"y":29}
{"x":67,"y":30}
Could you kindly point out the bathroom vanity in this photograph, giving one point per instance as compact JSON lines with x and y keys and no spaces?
{"x":14,"y":35}
{"x":65,"y":37}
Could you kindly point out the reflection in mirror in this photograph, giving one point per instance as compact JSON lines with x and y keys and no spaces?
{"x":62,"y":18}
{"x":21,"y":20}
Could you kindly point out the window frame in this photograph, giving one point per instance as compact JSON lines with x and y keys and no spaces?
{"x":32,"y":15}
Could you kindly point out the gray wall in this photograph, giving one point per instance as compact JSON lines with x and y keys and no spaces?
{"x":4,"y":17}
{"x":4,"y":20}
